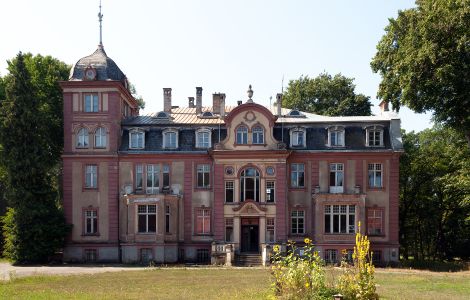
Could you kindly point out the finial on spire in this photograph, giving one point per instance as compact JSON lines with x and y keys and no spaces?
{"x":250,"y":95}
{"x":100,"y":19}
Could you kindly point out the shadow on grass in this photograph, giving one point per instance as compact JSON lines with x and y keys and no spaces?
{"x":435,"y":266}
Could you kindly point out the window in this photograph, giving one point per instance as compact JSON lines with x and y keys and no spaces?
{"x":91,"y":255}
{"x":270,"y":191}
{"x":258,"y":135}
{"x":340,"y":219}
{"x":91,"y":103}
{"x":91,"y":222}
{"x":336,"y":137}
{"x":374,"y":221}
{"x":242,"y":135}
{"x":100,"y":137}
{"x":297,"y":137}
{"x":139,"y":177}
{"x":297,"y":176}
{"x":297,"y":221}
{"x":166,"y":176}
{"x":203,"y":221}
{"x":376,"y":256}
{"x":91,"y":177}
{"x":229,"y":191}
{"x":170,"y":139}
{"x":167,"y":219}
{"x":136,"y":139}
{"x":82,"y":138}
{"x":331,"y":256}
{"x":348,"y":255}
{"x":270,"y":230}
{"x":146,"y":255}
{"x":202,"y":255}
{"x":336,"y":178}
{"x":203,"y":176}
{"x":203,"y":139}
{"x":153,"y":179}
{"x":375,"y":136}
{"x":249,"y":184}
{"x":229,"y":230}
{"x":147,"y":218}
{"x":375,"y":175}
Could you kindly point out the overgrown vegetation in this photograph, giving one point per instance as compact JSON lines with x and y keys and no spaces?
{"x":31,"y":136}
{"x":298,"y":276}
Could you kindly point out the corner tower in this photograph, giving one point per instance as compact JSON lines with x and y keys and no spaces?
{"x":96,"y":99}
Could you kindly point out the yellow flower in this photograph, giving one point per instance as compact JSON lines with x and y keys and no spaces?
{"x":307,"y":241}
{"x":276,"y":248}
{"x":307,"y":285}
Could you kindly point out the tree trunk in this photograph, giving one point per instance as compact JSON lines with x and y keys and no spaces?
{"x":467,"y":135}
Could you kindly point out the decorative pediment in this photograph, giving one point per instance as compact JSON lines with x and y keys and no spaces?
{"x":250,"y":207}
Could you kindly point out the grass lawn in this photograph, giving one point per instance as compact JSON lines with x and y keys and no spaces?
{"x":217,"y":283}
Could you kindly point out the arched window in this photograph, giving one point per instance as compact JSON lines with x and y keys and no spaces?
{"x":242,"y":135}
{"x":100,"y":137}
{"x":82,"y":138}
{"x":249,"y":185}
{"x":258,"y":135}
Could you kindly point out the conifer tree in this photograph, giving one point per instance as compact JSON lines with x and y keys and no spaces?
{"x":34,"y":227}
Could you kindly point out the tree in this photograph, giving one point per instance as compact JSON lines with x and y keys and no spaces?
{"x":138,"y":98}
{"x":424,"y":61}
{"x":34,"y":226}
{"x":326,"y":95}
{"x":434,"y":181}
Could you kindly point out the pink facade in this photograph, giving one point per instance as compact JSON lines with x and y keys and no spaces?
{"x":186,"y":184}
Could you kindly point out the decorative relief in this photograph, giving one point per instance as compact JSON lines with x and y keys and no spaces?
{"x":250,"y":116}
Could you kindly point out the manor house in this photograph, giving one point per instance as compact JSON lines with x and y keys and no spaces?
{"x":219,"y":182}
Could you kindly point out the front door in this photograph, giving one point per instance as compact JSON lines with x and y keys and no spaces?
{"x":250,"y":236}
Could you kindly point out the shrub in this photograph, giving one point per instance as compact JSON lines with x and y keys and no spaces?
{"x":357,"y":279}
{"x":299,"y":276}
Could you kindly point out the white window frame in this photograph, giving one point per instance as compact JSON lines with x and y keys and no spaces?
{"x":90,"y":103}
{"x":270,"y":187}
{"x":241,"y":130}
{"x":167,"y":139}
{"x":90,"y":216}
{"x":297,"y":214}
{"x":203,"y":169}
{"x":336,"y":136}
{"x":258,"y":132}
{"x":147,"y":213}
{"x":340,"y":210}
{"x":229,"y":186}
{"x":297,"y":170}
{"x":91,"y":176}
{"x":373,"y":169}
{"x":201,"y":141}
{"x":295,"y":134}
{"x":139,"y":176}
{"x":375,"y":129}
{"x":153,"y":176}
{"x":82,"y":138}
{"x":271,"y":226}
{"x":331,"y":256}
{"x":101,"y":137}
{"x":140,"y":139}
{"x":338,"y":170}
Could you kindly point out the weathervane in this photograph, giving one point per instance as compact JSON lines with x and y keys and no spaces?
{"x":100,"y":19}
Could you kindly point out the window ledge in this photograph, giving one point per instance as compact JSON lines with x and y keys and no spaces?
{"x":146,"y":233}
{"x":370,"y":188}
{"x":200,"y":188}
{"x":340,"y":233}
{"x":90,"y":234}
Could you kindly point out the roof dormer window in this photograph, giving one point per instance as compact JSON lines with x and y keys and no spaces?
{"x":375,"y":136}
{"x":297,"y":137}
{"x":163,"y":115}
{"x":336,"y":136}
{"x":295,"y":114}
{"x":136,"y":139}
{"x":170,"y":139}
{"x":203,"y":138}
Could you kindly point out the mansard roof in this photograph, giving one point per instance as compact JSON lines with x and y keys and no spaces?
{"x":106,"y":68}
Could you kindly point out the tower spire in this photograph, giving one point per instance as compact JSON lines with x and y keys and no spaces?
{"x":100,"y":19}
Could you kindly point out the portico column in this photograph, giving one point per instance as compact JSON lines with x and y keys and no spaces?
{"x":236,"y":232}
{"x":262,"y":229}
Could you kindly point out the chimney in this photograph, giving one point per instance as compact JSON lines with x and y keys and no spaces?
{"x":198,"y":100}
{"x":383,"y":106}
{"x":216,"y":103}
{"x":279,"y":104}
{"x":167,"y":100}
{"x":222,"y":105}
{"x":191,"y":102}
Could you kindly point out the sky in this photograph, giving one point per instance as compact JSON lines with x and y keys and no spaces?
{"x":222,"y":46}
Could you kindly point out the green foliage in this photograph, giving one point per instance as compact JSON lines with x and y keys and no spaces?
{"x":357,"y":280}
{"x":326,"y":95}
{"x":299,"y":277}
{"x":435,"y":181}
{"x":137,"y":97}
{"x":424,"y":61}
{"x":34,"y":228}
{"x":2,"y":89}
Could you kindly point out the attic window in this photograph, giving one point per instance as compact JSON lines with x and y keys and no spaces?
{"x":295,"y":114}
{"x":207,"y":114}
{"x":163,"y":115}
